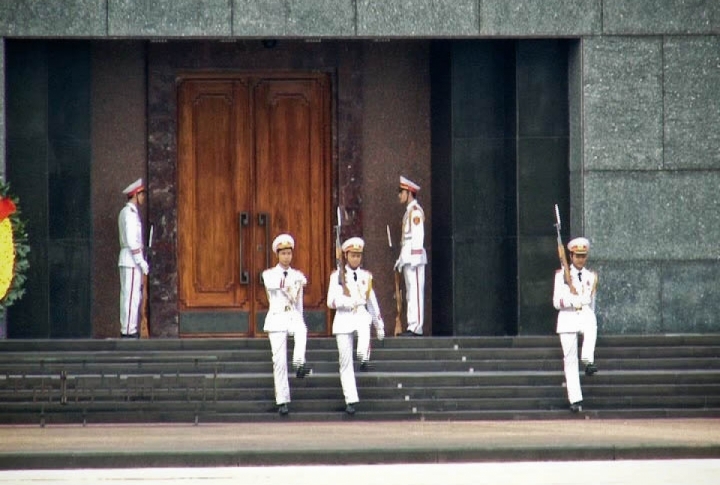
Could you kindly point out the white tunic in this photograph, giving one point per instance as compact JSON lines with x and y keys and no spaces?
{"x":131,"y":241}
{"x":575,"y":311}
{"x":284,"y":289}
{"x":360,"y":308}
{"x":413,"y":236}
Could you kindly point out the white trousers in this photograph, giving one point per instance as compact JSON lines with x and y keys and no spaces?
{"x":347,"y":371}
{"x":278,"y":345}
{"x":130,"y":298}
{"x":569,"y":342}
{"x":363,"y":344}
{"x":415,"y":296}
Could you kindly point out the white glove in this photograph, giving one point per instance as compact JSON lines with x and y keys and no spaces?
{"x":343,"y":302}
{"x":585,"y":300}
{"x":398,"y":265}
{"x":575,"y":301}
{"x":144,"y":267}
{"x":380,"y":329}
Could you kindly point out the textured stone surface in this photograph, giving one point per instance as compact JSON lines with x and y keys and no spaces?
{"x":661,"y":17}
{"x":540,"y":17}
{"x":691,"y":297}
{"x":402,"y":115}
{"x":119,"y":156}
{"x":259,"y":17}
{"x":321,"y":18}
{"x":417,"y":17}
{"x":622,"y":98}
{"x":308,"y":18}
{"x":692,"y":102}
{"x":55,"y":18}
{"x":653,"y":215}
{"x":171,"y":18}
{"x":628,"y":297}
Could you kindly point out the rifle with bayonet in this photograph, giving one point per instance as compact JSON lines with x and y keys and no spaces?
{"x":398,"y":294}
{"x":339,"y":259}
{"x":561,"y":254}
{"x":144,"y":326}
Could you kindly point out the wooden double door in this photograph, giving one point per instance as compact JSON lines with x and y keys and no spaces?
{"x":254,"y":161}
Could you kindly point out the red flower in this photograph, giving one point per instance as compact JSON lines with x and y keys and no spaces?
{"x":7,"y":207}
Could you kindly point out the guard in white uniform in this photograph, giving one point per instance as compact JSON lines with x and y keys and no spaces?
{"x":576,"y":315}
{"x":355,"y":311}
{"x":413,"y":257}
{"x":131,"y":261}
{"x":284,"y":287}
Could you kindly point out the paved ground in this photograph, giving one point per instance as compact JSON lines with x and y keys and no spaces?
{"x":666,"y":472}
{"x":345,"y":443}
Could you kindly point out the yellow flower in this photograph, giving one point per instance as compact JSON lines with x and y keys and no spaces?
{"x":7,"y":256}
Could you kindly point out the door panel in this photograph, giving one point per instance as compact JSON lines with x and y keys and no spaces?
{"x":209,"y":235}
{"x":289,"y":141}
{"x":253,"y":161}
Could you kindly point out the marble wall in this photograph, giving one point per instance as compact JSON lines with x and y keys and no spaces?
{"x":651,"y":156}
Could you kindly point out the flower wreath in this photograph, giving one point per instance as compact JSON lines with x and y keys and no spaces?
{"x":14,"y":249}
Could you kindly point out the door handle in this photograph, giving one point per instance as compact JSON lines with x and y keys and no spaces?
{"x":243,"y":220}
{"x":264,"y":220}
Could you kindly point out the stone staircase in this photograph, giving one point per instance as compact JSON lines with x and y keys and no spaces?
{"x":431,"y":378}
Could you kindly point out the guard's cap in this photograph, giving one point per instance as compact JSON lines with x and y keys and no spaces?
{"x":134,"y":188}
{"x":579,"y":245}
{"x":407,"y":184}
{"x":354,"y":244}
{"x":283,"y":241}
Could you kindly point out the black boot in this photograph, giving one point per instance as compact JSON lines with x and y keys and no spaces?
{"x":302,"y":371}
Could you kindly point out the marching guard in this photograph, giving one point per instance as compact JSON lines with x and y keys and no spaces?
{"x":284,"y":287}
{"x":356,"y":309}
{"x":576,"y":314}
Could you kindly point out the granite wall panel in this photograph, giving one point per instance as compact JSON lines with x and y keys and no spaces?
{"x":623,"y":99}
{"x":403,"y":116}
{"x":540,"y":17}
{"x":417,"y":18}
{"x":641,"y":17}
{"x":302,"y":18}
{"x":689,"y":303}
{"x":653,"y":215}
{"x":169,"y":18}
{"x":259,"y":17}
{"x":321,"y":18}
{"x":53,"y":18}
{"x":576,"y":113}
{"x":628,"y":296}
{"x":692,"y":102}
{"x":119,"y":94}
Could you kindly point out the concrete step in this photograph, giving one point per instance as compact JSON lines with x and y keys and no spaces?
{"x":325,"y":343}
{"x":414,"y":378}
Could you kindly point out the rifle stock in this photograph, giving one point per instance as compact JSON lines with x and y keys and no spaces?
{"x":561,"y":254}
{"x":398,"y":304}
{"x":144,"y":326}
{"x":144,"y":329}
